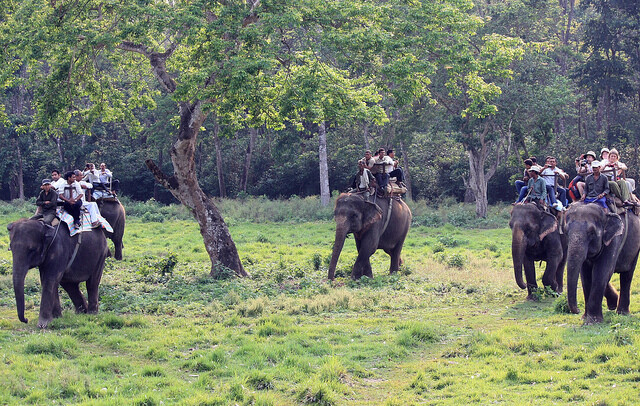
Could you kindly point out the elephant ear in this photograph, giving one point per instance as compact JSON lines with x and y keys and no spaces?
{"x":10,"y":226}
{"x":612,"y":228}
{"x":548,"y":224}
{"x":371,"y":214}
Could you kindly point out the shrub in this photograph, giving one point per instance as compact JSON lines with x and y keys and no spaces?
{"x":438,"y":247}
{"x":448,"y":241}
{"x":456,"y":260}
{"x":316,"y":261}
{"x":5,"y":267}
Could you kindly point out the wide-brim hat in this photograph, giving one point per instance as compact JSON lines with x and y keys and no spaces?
{"x":593,"y":154}
{"x":605,"y":149}
{"x":614,"y":151}
{"x":596,"y":164}
{"x":536,"y":168}
{"x":46,"y":182}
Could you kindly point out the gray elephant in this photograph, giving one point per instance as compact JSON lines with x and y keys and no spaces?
{"x":600,"y":244}
{"x":53,"y":251}
{"x":113,"y":211}
{"x":535,"y":237}
{"x":372,"y":228}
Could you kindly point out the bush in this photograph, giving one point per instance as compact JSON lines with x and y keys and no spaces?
{"x":456,"y":260}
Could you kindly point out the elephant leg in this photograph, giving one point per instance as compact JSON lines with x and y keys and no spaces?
{"x":611,"y":295}
{"x":73,"y":289}
{"x":530,"y":275}
{"x":549,"y":276}
{"x":394,"y":253}
{"x":585,"y":278}
{"x":93,"y":285}
{"x":57,"y":307}
{"x":117,"y":244}
{"x":362,"y":267}
{"x":625,"y":291}
{"x":47,"y":302}
{"x":598,"y":284}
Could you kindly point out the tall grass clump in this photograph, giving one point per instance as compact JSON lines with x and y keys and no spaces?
{"x":413,"y":333}
{"x":57,"y":346}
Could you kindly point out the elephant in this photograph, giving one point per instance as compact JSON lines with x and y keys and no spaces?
{"x":368,"y":223}
{"x":113,"y":211}
{"x":535,"y":237}
{"x":600,"y":244}
{"x":53,"y":251}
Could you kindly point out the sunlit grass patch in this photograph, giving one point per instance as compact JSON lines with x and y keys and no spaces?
{"x":49,"y":344}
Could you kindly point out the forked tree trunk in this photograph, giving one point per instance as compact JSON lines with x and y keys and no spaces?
{"x":184,"y":186}
{"x":325,"y":194}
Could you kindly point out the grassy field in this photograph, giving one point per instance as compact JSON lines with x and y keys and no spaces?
{"x":451,"y":328}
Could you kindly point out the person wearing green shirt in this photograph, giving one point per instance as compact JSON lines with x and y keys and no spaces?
{"x":537,"y":186}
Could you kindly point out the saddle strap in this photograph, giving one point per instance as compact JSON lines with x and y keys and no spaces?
{"x":386,"y":221}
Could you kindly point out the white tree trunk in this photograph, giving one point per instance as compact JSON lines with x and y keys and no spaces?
{"x":325,"y":193}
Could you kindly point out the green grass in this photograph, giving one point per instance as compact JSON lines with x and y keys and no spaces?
{"x":452,"y":328}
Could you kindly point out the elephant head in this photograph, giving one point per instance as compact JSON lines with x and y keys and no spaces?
{"x":592,"y":236}
{"x":30,"y":240}
{"x":529,"y":226}
{"x":353,"y":214}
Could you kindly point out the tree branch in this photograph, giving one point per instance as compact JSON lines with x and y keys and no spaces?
{"x":171,"y":183}
{"x":157,"y":61}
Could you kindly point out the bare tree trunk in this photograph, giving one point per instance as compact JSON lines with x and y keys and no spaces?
{"x":253,"y":135}
{"x":183,"y":184}
{"x":19,"y":174}
{"x":216,"y":139}
{"x":325,"y":194}
{"x":477,"y":181}
{"x":405,"y":169}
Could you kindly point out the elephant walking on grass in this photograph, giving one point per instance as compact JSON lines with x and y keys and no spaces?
{"x":600,"y":244}
{"x":372,"y":228}
{"x":51,"y":249}
{"x":535,"y":236}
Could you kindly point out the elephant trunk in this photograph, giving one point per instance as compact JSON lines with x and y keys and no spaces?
{"x":576,"y":255}
{"x":518,"y":248}
{"x":19,"y":273}
{"x":341,"y":235}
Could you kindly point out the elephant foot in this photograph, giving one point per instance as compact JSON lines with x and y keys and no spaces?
{"x":81,"y":310}
{"x":93,"y":311}
{"x":624,"y":312}
{"x":574,"y":310}
{"x":532,"y":298}
{"x":611,"y":307}
{"x":43,"y":323}
{"x":590,"y":320}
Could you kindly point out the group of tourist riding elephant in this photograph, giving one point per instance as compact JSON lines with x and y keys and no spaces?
{"x":592,"y":243}
{"x":63,"y":260}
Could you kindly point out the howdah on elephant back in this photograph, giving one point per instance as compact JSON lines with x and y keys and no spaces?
{"x":535,"y":236}
{"x":374,"y":227}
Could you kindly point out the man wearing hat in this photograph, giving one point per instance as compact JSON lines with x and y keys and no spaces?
{"x":596,"y":187}
{"x":46,"y":202}
{"x":537,"y":188}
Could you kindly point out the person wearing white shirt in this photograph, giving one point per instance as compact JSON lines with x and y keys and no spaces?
{"x":91,"y":174}
{"x":549,"y":175}
{"x":382,"y":177}
{"x":92,"y":207}
{"x":72,"y":197}
{"x":58,"y":183}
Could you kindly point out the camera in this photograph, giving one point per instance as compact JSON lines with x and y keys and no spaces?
{"x":583,"y":162}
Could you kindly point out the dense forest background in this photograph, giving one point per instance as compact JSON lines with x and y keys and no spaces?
{"x":575,"y":87}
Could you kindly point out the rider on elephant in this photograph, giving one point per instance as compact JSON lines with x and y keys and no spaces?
{"x":363,"y":181}
{"x":537,"y":188}
{"x":47,"y":203}
{"x":596,"y":187}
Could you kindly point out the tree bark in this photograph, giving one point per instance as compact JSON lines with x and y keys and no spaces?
{"x":19,"y":174}
{"x":325,"y":194}
{"x":253,"y":135}
{"x":219,"y":166}
{"x":184,"y":186}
